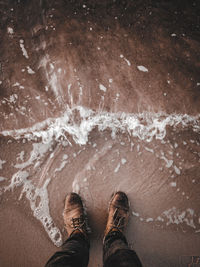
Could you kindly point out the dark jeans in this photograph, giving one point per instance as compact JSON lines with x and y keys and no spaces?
{"x":75,"y":252}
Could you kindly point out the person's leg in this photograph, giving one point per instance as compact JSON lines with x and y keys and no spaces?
{"x":74,"y":253}
{"x":116,"y":252}
{"x":75,"y":250}
{"x":115,"y":247}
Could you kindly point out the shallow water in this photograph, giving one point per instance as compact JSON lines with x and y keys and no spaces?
{"x":87,"y":106}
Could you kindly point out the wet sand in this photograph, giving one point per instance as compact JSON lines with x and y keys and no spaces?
{"x":94,"y":98}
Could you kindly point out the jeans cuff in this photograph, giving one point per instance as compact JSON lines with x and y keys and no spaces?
{"x":112,"y":236}
{"x":79,"y":237}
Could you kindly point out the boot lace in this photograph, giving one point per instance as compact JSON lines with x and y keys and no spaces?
{"x":118,"y":220}
{"x":78,"y":223}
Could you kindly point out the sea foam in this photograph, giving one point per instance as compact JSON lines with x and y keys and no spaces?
{"x":78,"y":122}
{"x":145,"y":126}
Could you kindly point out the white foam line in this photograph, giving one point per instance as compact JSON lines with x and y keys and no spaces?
{"x":145,"y":126}
{"x":51,"y":76}
{"x":62,"y":165}
{"x":127,"y":61}
{"x":24,"y":52}
{"x":175,"y":216}
{"x":40,"y":210}
{"x":117,"y":168}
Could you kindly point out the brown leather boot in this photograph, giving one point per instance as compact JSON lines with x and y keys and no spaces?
{"x":74,"y":216}
{"x":118,"y":213}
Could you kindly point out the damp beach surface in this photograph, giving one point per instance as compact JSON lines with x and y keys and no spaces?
{"x":95,"y":98}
